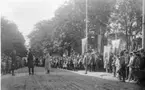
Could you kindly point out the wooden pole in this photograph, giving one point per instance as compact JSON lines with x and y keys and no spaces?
{"x":143,"y":23}
{"x":86,"y":34}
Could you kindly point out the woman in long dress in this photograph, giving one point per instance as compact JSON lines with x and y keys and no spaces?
{"x":47,"y":63}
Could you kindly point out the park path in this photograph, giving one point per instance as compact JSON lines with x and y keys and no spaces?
{"x":61,"y":80}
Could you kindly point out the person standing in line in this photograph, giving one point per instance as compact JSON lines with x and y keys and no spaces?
{"x":37,"y":62}
{"x":110,"y":62}
{"x":43,"y":62}
{"x":122,"y":64}
{"x":9,"y":64}
{"x":126,"y":64}
{"x":114,"y":66}
{"x":7,"y":69}
{"x":75,"y":62}
{"x":106,"y":62}
{"x":13,"y":64}
{"x":130,"y":65}
{"x":86,"y":60}
{"x":30,"y":63}
{"x":136,"y":66}
{"x":117,"y":65}
{"x":142,"y":64}
{"x":141,"y":73}
{"x":47,"y":62}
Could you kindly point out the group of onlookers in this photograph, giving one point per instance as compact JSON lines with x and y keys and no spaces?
{"x":128,"y":66}
{"x":73,"y":62}
{"x":125,"y":65}
{"x":7,"y":63}
{"x":93,"y":61}
{"x":77,"y":62}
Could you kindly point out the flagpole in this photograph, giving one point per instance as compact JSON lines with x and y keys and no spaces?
{"x":87,"y":25}
{"x":86,"y":33}
{"x":143,"y":23}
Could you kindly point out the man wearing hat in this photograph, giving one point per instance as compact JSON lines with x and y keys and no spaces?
{"x":30,"y":63}
{"x":131,"y":65}
{"x":86,"y":60}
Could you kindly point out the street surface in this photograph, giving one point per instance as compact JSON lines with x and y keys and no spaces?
{"x":61,"y":80}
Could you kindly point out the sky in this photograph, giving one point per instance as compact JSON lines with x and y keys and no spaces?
{"x":26,"y":13}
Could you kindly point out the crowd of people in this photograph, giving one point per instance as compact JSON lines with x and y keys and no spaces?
{"x":125,"y":66}
{"x":77,"y":62}
{"x":72,"y":62}
{"x":6,"y":63}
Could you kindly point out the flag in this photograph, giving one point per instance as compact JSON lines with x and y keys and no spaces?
{"x":106,"y":55}
{"x":84,"y":43}
{"x":99,"y":42}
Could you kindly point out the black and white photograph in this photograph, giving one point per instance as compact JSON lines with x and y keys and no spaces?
{"x":72,"y":44}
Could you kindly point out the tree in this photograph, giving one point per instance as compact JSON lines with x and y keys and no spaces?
{"x":126,"y":18}
{"x":41,"y":36}
{"x":67,"y":28}
{"x":72,"y":19}
{"x":11,"y":38}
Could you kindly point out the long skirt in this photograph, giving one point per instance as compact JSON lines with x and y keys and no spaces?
{"x":47,"y":65}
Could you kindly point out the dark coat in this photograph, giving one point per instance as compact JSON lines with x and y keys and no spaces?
{"x":30,"y":60}
{"x":142,"y":64}
{"x":13,"y":64}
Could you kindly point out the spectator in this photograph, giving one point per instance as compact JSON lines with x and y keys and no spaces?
{"x":114,"y":66}
{"x":122,"y":67}
{"x":142,"y":64}
{"x":130,"y":65}
{"x":110,"y":62}
{"x":13,"y":65}
{"x":47,"y":62}
{"x":126,"y":64}
{"x":117,"y":64}
{"x":140,"y":73}
{"x":37,"y":61}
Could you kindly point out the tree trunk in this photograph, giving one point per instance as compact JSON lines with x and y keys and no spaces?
{"x":127,"y":41}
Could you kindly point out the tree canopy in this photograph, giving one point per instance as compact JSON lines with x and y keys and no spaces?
{"x":11,"y":38}
{"x":126,"y":18}
{"x":66,"y":29}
